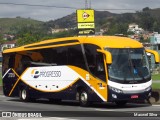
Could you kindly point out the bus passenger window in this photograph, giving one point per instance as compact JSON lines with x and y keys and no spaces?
{"x":11,"y":61}
{"x":23,"y":64}
{"x":61,"y":56}
{"x":75,"y":56}
{"x":100,"y":71}
{"x":5,"y":63}
{"x":95,"y":61}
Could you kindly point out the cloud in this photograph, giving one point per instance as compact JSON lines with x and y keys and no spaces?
{"x":51,"y":13}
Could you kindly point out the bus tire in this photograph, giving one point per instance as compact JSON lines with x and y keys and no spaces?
{"x":24,"y":96}
{"x":83,"y":98}
{"x":121,"y":103}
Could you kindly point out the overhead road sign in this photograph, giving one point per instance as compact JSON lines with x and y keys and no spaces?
{"x":85,"y":16}
{"x":85,"y":22}
{"x":86,"y":25}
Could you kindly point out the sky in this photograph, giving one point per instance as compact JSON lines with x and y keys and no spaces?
{"x":47,"y":10}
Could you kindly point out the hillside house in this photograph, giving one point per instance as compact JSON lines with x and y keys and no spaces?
{"x":135,"y":28}
{"x":8,"y":44}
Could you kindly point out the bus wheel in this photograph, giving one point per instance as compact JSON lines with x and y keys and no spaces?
{"x":83,"y":98}
{"x":24,"y":95}
{"x":121,"y":103}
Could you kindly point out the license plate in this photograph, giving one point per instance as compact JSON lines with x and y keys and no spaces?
{"x":134,"y":96}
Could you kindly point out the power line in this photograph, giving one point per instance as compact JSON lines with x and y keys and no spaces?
{"x":113,"y":9}
{"x":53,"y":6}
{"x":20,"y":4}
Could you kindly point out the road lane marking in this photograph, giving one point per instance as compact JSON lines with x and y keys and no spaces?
{"x":156,"y":105}
{"x":48,"y":118}
{"x":2,"y":96}
{"x":103,"y":110}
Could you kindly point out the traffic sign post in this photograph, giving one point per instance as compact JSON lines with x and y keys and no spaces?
{"x":85,"y":22}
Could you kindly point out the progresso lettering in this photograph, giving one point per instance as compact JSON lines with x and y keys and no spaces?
{"x":50,"y":73}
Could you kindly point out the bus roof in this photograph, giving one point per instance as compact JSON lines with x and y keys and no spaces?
{"x":101,"y":41}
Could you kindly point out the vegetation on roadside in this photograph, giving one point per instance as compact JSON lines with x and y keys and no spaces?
{"x":156,"y":77}
{"x":0,"y":81}
{"x":155,"y":85}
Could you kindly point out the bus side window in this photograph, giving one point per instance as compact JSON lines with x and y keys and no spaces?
{"x":23,"y":64}
{"x":61,"y":57}
{"x":11,"y":61}
{"x":5,"y":63}
{"x":26,"y":61}
{"x":100,"y":71}
{"x":95,"y":61}
{"x":75,"y":56}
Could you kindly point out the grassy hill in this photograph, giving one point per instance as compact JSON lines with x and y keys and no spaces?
{"x":8,"y":24}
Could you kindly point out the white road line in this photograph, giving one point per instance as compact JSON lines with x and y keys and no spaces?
{"x":156,"y":105}
{"x":103,"y":110}
{"x":2,"y":96}
{"x":47,"y":118}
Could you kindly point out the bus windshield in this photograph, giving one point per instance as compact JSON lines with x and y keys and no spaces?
{"x":129,"y":65}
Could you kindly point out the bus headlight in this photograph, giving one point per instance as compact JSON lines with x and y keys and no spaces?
{"x":148,"y":88}
{"x":115,"y":89}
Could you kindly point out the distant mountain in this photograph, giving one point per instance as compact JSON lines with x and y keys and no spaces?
{"x":148,"y":19}
{"x":104,"y":19}
{"x":70,"y":21}
{"x":155,"y":13}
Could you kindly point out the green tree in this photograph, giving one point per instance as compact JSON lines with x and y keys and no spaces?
{"x":26,"y":39}
{"x":1,"y":36}
{"x":118,"y":28}
{"x":146,"y":20}
{"x":30,"y":34}
{"x":1,"y":39}
{"x":146,"y":9}
{"x":156,"y":26}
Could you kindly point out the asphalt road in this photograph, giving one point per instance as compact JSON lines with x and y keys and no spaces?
{"x":71,"y":110}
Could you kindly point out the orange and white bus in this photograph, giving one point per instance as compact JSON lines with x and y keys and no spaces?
{"x":87,"y":69}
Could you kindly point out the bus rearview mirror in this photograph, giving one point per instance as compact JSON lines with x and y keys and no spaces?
{"x":156,"y":55}
{"x":108,"y":56}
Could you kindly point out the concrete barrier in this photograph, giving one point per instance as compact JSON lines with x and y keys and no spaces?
{"x":155,"y":97}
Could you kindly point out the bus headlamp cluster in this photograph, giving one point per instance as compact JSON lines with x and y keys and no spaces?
{"x":148,"y":88}
{"x":116,"y":90}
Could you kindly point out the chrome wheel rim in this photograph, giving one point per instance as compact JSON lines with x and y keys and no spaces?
{"x":84,"y":97}
{"x":24,"y":94}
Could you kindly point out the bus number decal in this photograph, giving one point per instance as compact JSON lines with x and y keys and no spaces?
{"x":11,"y":75}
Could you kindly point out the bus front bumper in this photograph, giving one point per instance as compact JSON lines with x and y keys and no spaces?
{"x":118,"y":95}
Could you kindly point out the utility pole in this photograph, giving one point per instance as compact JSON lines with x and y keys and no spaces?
{"x":86,"y":4}
{"x":90,"y":4}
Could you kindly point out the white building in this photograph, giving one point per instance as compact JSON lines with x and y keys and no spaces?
{"x":8,"y":44}
{"x":135,"y":28}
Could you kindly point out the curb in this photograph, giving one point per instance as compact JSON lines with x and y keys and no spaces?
{"x":1,"y":91}
{"x":154,"y":99}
